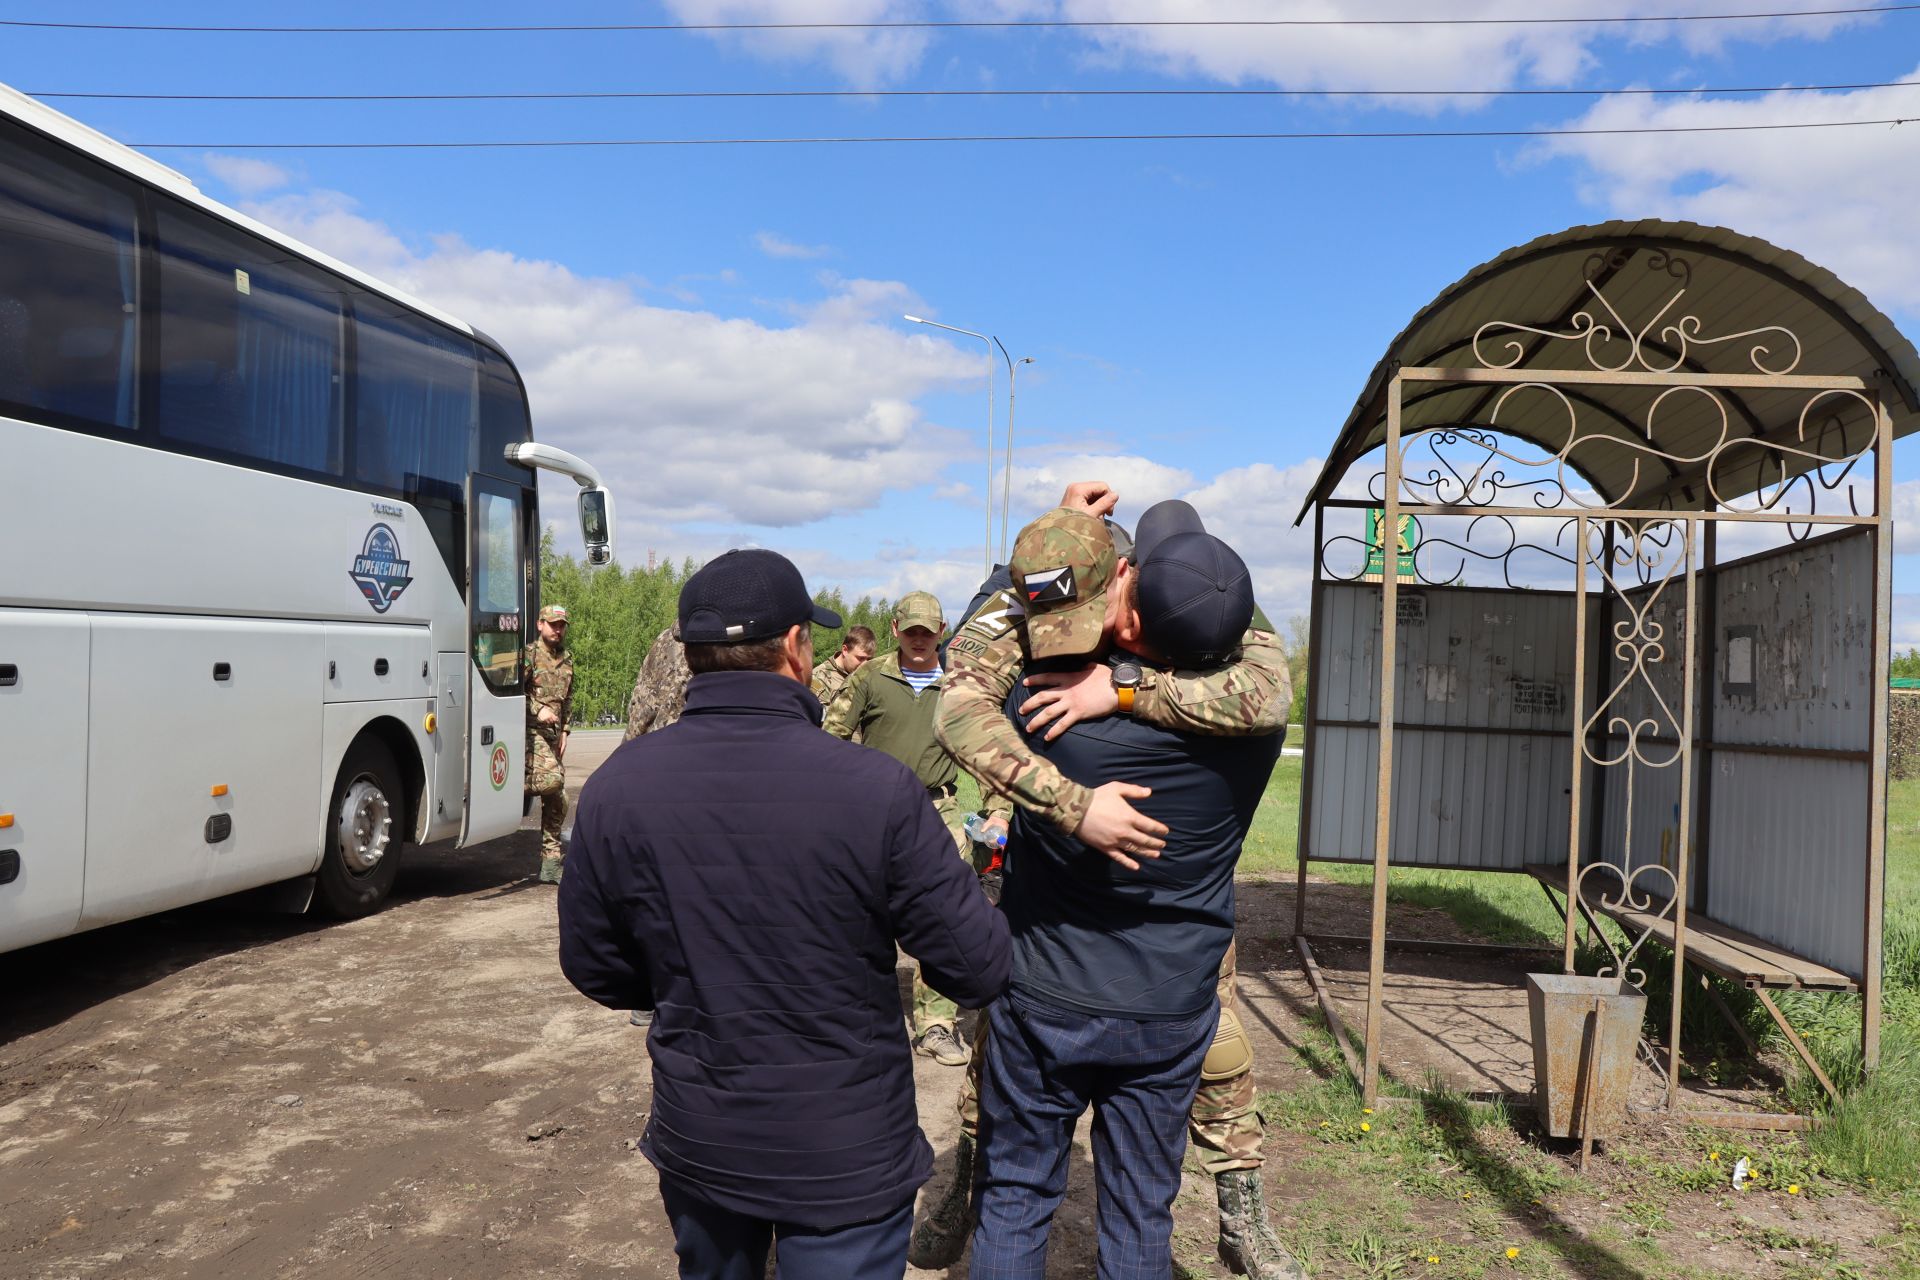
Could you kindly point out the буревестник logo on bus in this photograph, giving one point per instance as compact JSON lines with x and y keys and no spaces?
{"x":379,"y":571}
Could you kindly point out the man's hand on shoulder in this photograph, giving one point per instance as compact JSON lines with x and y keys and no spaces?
{"x":1063,"y":699}
{"x":1117,"y":829}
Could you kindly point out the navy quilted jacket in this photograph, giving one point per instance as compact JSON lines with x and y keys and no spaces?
{"x":746,"y":876}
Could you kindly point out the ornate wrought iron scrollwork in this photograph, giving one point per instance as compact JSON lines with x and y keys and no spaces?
{"x":1628,"y":900}
{"x":1597,"y":334}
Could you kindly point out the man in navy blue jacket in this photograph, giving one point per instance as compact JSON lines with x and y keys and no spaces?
{"x":1113,"y":1002}
{"x":747,"y":876}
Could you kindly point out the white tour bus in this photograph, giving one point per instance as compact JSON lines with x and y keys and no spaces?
{"x":268,"y":553}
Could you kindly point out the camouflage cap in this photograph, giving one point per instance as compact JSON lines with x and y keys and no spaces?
{"x":1061,"y":566}
{"x":919,"y":609}
{"x":553,"y":613}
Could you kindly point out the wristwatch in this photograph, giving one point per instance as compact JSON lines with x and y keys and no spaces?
{"x":1126,"y":681}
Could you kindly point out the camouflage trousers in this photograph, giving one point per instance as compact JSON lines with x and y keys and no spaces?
{"x":930,"y":1008}
{"x":1224,"y":1124}
{"x":547,"y":780}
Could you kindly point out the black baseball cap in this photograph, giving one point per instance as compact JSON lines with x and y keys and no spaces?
{"x":750,"y":594}
{"x":1161,"y":521}
{"x":1195,"y":598}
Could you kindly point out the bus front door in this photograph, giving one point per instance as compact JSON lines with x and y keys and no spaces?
{"x":496,"y":705}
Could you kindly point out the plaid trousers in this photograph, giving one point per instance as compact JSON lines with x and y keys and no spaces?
{"x":1046,"y":1068}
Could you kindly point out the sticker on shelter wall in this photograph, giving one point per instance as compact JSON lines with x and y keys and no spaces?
{"x":1443,"y":683}
{"x":1409,"y":606}
{"x":1538,"y":697}
{"x":1739,"y":681}
{"x":242,"y":282}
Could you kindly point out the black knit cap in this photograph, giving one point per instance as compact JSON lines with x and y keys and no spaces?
{"x":751,"y":594}
{"x":1196,"y":599}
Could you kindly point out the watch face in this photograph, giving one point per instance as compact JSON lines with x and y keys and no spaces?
{"x":1126,"y":673}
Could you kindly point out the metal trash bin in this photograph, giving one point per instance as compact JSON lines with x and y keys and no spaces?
{"x":1586,"y":1032}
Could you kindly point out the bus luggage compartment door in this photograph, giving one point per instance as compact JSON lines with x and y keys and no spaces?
{"x":204,"y":761}
{"x":44,"y":657}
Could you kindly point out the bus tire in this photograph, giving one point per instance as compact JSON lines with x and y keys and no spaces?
{"x":360,"y":846}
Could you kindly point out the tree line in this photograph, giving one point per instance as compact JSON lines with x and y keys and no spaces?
{"x":614,"y":613}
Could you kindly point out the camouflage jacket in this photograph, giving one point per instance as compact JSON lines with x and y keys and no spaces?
{"x":660,"y":690}
{"x":549,"y":684}
{"x":828,"y":680}
{"x":1248,"y":696}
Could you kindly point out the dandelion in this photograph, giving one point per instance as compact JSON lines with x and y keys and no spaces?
{"x":1713,"y":1155}
{"x":1326,"y":1124}
{"x":1793,"y":1188}
{"x":1365,"y":1127}
{"x":1466,"y":1195}
{"x":1366,"y":1111}
{"x":1433,"y":1259}
{"x":1512,"y":1255}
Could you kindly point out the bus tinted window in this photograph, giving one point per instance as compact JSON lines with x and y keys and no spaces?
{"x":503,"y":415}
{"x":68,"y":280}
{"x":418,"y":401}
{"x":496,"y":590}
{"x":250,"y":348}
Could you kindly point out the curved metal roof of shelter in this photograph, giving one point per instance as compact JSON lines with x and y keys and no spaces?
{"x":1687,"y":289}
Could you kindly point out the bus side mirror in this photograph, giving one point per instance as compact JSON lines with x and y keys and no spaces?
{"x":596,"y":525}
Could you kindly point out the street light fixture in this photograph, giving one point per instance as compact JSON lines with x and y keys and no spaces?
{"x":987,"y":546}
{"x":1006,"y":471}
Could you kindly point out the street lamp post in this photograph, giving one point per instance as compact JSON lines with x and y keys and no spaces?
{"x":987,"y":546}
{"x":1006,"y":471}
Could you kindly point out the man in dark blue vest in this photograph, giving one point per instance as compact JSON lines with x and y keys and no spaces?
{"x":1113,"y":1001}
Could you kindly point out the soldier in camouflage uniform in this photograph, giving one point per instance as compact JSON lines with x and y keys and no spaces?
{"x":549,"y":707}
{"x":660,"y":689}
{"x":1061,"y":586}
{"x":830,"y":675}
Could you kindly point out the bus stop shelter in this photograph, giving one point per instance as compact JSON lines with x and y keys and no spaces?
{"x":1626,"y":493}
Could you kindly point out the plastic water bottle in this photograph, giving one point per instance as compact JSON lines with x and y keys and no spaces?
{"x":978,"y":833}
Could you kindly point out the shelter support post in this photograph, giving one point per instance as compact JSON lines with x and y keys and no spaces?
{"x":1872,"y":960}
{"x":1309,"y":749}
{"x":1579,"y":734}
{"x":1389,"y":533}
{"x":1683,"y":837}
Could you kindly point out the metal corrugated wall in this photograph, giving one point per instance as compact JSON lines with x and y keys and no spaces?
{"x":1484,"y":713}
{"x":1787,"y":834}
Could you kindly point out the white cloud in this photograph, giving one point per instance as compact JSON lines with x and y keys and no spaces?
{"x":865,"y":59}
{"x":690,"y":415}
{"x":1253,"y":509}
{"x":1844,"y":198}
{"x":1383,"y":58}
{"x":777,"y":246}
{"x":246,"y":175}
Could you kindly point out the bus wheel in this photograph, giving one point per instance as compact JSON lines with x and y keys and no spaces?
{"x":363,"y":836}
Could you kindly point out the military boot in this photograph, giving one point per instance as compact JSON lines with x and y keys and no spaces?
{"x":1247,"y":1243}
{"x":942,"y":1236}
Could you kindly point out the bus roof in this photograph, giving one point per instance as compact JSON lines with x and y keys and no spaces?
{"x":37,"y":115}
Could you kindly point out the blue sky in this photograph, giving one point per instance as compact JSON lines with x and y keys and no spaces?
{"x":719,"y":327}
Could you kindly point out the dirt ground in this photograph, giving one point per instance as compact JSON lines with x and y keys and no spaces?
{"x":217,"y":1093}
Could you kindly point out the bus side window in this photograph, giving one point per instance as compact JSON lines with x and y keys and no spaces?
{"x":251,"y":348}
{"x":69,"y":284}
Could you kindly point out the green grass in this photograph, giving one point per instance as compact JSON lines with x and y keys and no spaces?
{"x":1872,"y":1138}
